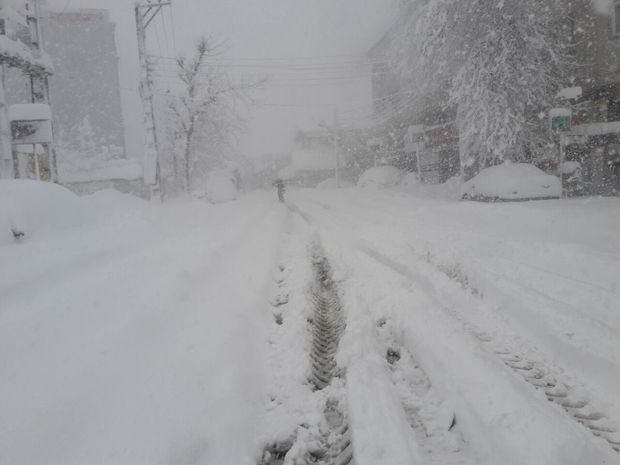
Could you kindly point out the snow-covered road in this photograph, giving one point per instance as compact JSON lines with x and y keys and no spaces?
{"x":451,"y":333}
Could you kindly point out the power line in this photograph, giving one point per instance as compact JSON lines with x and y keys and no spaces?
{"x":165,"y":29}
{"x":174,"y":34}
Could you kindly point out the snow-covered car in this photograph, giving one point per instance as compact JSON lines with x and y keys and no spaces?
{"x":380,"y":177}
{"x":221,"y":187}
{"x":512,"y":181}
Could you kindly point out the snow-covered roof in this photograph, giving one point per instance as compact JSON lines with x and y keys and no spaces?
{"x":596,"y":129}
{"x":18,"y":54}
{"x":560,"y":112}
{"x":570,"y":93}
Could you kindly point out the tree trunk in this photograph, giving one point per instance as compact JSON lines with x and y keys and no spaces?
{"x":188,"y":153}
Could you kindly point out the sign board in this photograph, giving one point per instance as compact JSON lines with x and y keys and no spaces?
{"x":31,"y":124}
{"x":592,"y":112}
{"x":573,"y":139}
{"x":429,"y":166}
{"x":441,"y":136}
{"x":560,"y":119}
{"x":31,"y":132}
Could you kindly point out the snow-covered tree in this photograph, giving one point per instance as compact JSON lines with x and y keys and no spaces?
{"x":204,"y":112}
{"x":501,"y":63}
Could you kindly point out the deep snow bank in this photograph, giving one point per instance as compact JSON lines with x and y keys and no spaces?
{"x":38,"y":208}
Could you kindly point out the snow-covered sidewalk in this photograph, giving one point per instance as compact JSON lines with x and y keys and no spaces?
{"x":136,"y":338}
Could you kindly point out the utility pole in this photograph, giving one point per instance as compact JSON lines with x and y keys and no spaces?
{"x":145,"y":13}
{"x":336,"y":147}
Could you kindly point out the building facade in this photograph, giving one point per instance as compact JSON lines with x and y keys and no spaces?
{"x":21,"y":55}
{"x":596,"y":112}
{"x":418,"y":128}
{"x":85,"y":90}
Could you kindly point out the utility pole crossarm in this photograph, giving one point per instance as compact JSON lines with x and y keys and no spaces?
{"x":148,"y":21}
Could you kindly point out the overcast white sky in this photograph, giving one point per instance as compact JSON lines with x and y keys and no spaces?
{"x":289,"y":32}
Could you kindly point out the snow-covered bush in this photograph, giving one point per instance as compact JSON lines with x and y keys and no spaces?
{"x":494,"y":64}
{"x":380,"y":177}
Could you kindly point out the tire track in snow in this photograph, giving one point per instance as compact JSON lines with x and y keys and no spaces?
{"x":328,"y":322}
{"x":326,"y":441}
{"x":431,"y":419}
{"x":556,"y":389}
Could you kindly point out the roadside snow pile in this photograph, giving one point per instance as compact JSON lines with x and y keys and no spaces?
{"x":331,"y":184}
{"x":221,"y":187}
{"x":86,"y":170}
{"x":111,"y":200}
{"x":380,"y":177}
{"x":410,"y":181}
{"x":35,"y":207}
{"x":449,"y":190}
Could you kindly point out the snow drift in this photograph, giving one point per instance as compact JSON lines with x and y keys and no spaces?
{"x":36,"y":207}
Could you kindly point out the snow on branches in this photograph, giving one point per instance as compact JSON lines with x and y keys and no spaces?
{"x":500,"y":62}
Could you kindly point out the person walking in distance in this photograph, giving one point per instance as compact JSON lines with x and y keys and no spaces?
{"x":279,"y":184}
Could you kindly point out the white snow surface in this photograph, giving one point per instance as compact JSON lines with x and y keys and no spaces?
{"x":410,"y":181}
{"x":178,"y":333}
{"x":29,"y":111}
{"x":512,"y":181}
{"x":80,"y":170}
{"x":380,"y":177}
{"x":220,"y":188}
{"x":569,"y":167}
{"x":331,"y":183}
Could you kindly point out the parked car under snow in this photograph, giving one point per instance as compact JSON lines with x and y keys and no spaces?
{"x":380,"y":177}
{"x":512,"y":181}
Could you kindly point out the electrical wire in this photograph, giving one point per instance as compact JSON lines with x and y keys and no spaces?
{"x":166,"y":38}
{"x":174,"y":34}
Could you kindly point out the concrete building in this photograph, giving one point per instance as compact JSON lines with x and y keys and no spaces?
{"x":85,"y":96}
{"x":86,"y":85}
{"x":21,"y":54}
{"x":415,"y":131}
{"x":596,"y":113}
{"x":417,"y":128}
